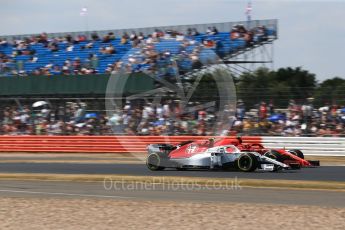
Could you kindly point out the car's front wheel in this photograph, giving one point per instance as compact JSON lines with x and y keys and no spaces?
{"x":247,"y":162}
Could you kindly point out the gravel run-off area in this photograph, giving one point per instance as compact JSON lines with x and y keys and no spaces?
{"x":77,"y":213}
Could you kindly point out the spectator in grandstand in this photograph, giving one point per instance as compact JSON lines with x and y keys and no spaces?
{"x":110,"y":49}
{"x":261,"y":33}
{"x":36,"y":72}
{"x":248,"y":37}
{"x":133,"y":36}
{"x":124,"y":39}
{"x":76,"y":64}
{"x":81,"y":38}
{"x":102,"y":50}
{"x":271,"y":107}
{"x":307,"y":110}
{"x":189,"y":32}
{"x":195,"y":32}
{"x":5,"y":62}
{"x":53,"y":45}
{"x":262,"y":113}
{"x":66,"y":70}
{"x":46,"y":71}
{"x":240,"y":110}
{"x":239,"y":31}
{"x":56,"y":70}
{"x":94,"y":36}
{"x":109,"y":37}
{"x":3,"y":42}
{"x":70,"y":48}
{"x":212,"y":30}
{"x":43,"y":38}
{"x":69,"y":38}
{"x":110,"y":68}
{"x":141,"y":36}
{"x":159,"y":33}
{"x":234,"y":33}
{"x":209,"y":43}
{"x":89,"y":45}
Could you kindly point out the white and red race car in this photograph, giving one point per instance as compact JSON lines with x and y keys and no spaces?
{"x":204,"y":154}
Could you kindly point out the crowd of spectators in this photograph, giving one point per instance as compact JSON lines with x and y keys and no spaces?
{"x":295,"y":120}
{"x":98,"y":47}
{"x":168,"y":118}
{"x":161,"y":62}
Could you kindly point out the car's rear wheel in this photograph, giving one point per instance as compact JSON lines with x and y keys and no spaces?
{"x":153,"y":162}
{"x":247,"y":162}
{"x":297,"y":152}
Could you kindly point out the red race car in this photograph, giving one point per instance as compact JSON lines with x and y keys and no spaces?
{"x":293,"y":156}
{"x":208,"y":154}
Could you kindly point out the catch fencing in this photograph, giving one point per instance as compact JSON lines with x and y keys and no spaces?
{"x":318,"y":146}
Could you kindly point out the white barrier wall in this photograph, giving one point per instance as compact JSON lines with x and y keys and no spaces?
{"x":314,"y":146}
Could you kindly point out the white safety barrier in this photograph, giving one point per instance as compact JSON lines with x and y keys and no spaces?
{"x":314,"y":146}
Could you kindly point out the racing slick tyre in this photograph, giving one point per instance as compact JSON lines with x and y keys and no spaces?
{"x":297,"y":152}
{"x":247,"y":162}
{"x":153,"y":162}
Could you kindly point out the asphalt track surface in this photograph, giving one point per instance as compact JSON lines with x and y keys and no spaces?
{"x":99,"y":190}
{"x":323,"y":173}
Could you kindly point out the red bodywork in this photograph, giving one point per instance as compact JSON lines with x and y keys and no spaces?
{"x":200,"y":146}
{"x":259,"y":148}
{"x":256,"y":147}
{"x":195,"y":147}
{"x":190,"y":149}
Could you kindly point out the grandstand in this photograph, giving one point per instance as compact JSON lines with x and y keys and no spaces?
{"x":81,"y":63}
{"x":97,"y":52}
